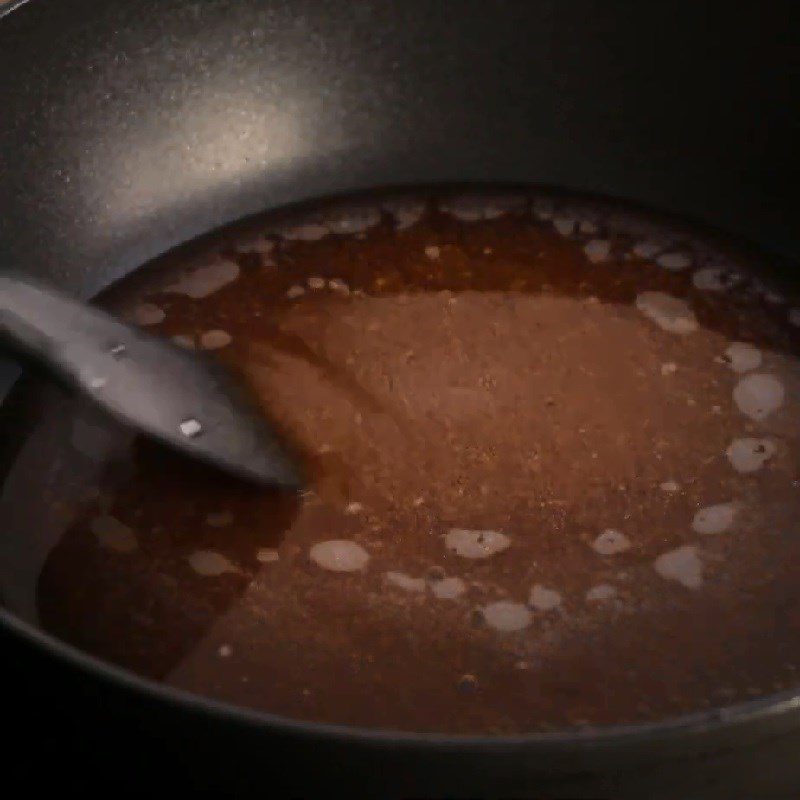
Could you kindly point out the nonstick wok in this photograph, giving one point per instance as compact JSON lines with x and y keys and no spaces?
{"x":130,"y":126}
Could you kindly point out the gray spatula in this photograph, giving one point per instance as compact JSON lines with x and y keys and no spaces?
{"x":170,"y":394}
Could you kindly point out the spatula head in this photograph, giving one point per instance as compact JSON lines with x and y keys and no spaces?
{"x":175,"y":396}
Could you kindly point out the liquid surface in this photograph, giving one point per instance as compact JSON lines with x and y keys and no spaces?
{"x":554,"y":455}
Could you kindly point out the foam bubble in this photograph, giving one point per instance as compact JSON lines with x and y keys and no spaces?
{"x":648,"y":248}
{"x":204,"y":281}
{"x":209,"y":563}
{"x":715,"y":279}
{"x":339,"y":286}
{"x":148,"y":314}
{"x":293,"y":292}
{"x":405,"y":582}
{"x":544,"y":599}
{"x":448,"y":588}
{"x":597,"y":250}
{"x":682,"y":565}
{"x":267,"y":555}
{"x":506,"y":616}
{"x":219,"y":519}
{"x":668,"y":312}
{"x":564,"y":225}
{"x":601,"y":593}
{"x":743,"y":357}
{"x":407,"y":211}
{"x":471,"y":208}
{"x":675,"y":260}
{"x":714,"y":519}
{"x":353,"y":218}
{"x":306,"y":232}
{"x":610,"y":542}
{"x":749,"y":454}
{"x":759,"y":395}
{"x":669,"y":486}
{"x":339,"y":555}
{"x":186,"y":342}
{"x":476,"y":544}
{"x":215,"y":339}
{"x":257,"y":243}
{"x":433,"y":252}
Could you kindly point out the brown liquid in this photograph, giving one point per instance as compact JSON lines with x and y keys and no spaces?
{"x":444,"y":374}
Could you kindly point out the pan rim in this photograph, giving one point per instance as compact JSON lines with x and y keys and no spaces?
{"x":601,"y":738}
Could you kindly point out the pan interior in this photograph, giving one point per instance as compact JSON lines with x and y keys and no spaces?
{"x":553,"y":448}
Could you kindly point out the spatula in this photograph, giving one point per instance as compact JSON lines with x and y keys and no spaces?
{"x":170,"y":394}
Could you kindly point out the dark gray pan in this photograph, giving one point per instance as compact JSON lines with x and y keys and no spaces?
{"x":129,"y":127}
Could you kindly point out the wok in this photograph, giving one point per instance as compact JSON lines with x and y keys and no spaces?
{"x":129,"y":127}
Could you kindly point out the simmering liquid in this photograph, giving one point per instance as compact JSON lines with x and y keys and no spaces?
{"x":553,"y":446}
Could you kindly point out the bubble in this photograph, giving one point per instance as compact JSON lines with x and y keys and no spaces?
{"x":339,"y":286}
{"x":507,"y":617}
{"x":610,"y":542}
{"x":353,"y":218}
{"x":564,"y":225}
{"x":647,"y":248}
{"x":601,"y":593}
{"x":668,"y":312}
{"x":476,"y":543}
{"x":674,"y":261}
{"x":597,"y":250}
{"x":407,"y":211}
{"x":219,"y":519}
{"x":186,"y":342}
{"x":405,"y":582}
{"x":307,"y":232}
{"x":471,"y":208}
{"x":148,"y":314}
{"x":204,"y":281}
{"x":743,"y":357}
{"x":339,"y":555}
{"x":209,"y":563}
{"x":714,"y":519}
{"x":544,"y":599}
{"x":448,"y":588}
{"x":682,"y":565}
{"x":759,"y":395}
{"x":715,"y":279}
{"x":750,"y":454}
{"x":215,"y":339}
